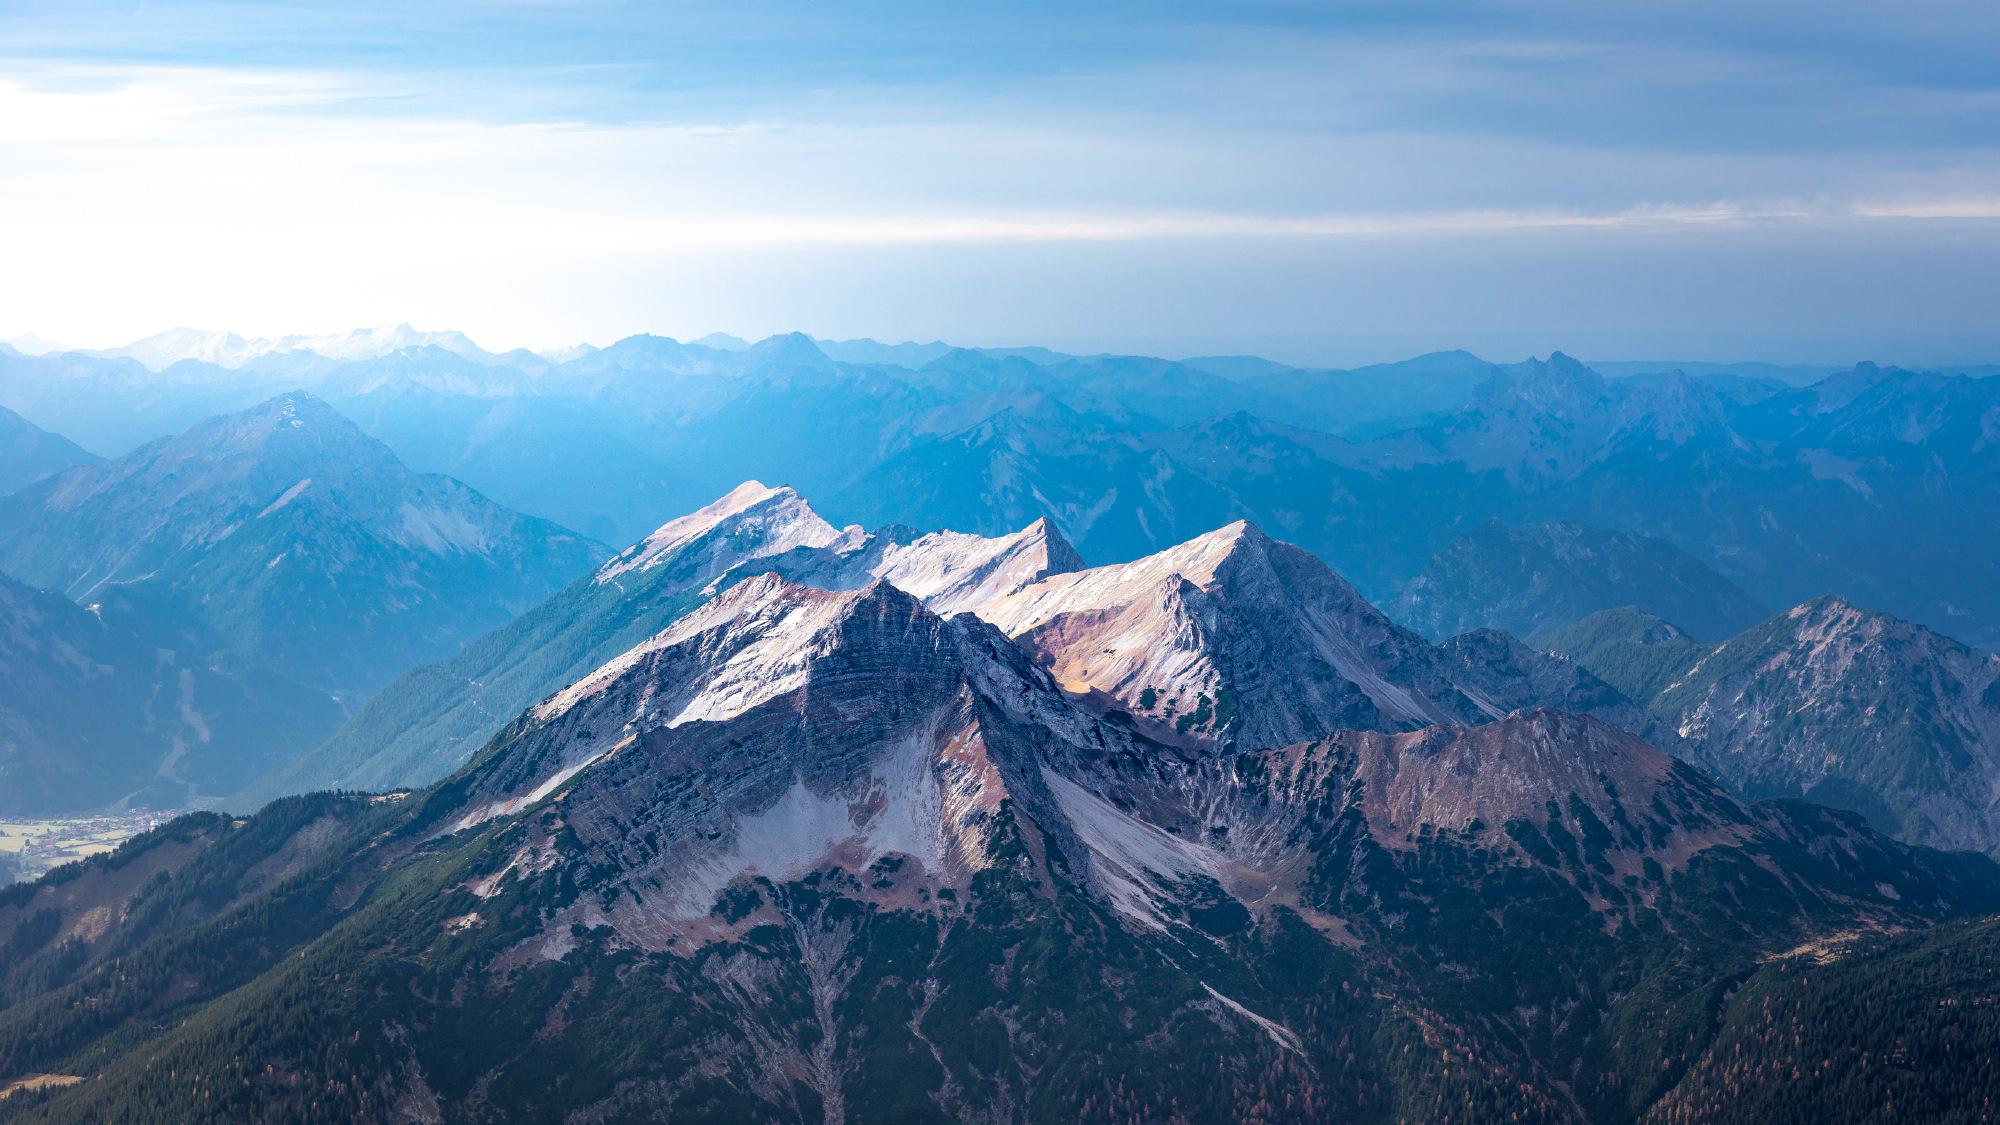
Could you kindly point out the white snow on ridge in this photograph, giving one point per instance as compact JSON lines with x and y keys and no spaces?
{"x":226,"y":349}
{"x":1127,"y":627}
{"x":950,"y":571}
{"x":778,"y":515}
{"x":761,"y":635}
{"x":1119,"y":584}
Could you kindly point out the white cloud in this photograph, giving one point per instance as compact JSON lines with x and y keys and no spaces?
{"x":273,"y":201}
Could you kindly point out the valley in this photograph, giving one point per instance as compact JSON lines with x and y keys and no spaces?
{"x":30,"y":849}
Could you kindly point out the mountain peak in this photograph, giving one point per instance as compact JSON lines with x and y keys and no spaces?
{"x":295,"y":421}
{"x":1824,"y":605}
{"x":1061,"y":553}
{"x":953,"y":572}
{"x":1559,"y":385}
{"x":780,"y":517}
{"x":1185,"y":639}
{"x":722,"y":342}
{"x":295,"y":534}
{"x":227,"y":349}
{"x":788,"y":349}
{"x":1202,"y":559}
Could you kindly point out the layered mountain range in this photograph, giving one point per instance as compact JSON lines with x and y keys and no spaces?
{"x":299,"y":541}
{"x":1789,"y":491}
{"x":1105,"y":805}
{"x":830,"y":855}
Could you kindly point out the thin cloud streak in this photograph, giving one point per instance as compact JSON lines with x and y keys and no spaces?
{"x":722,"y":231}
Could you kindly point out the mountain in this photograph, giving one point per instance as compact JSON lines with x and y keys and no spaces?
{"x":430,"y":720}
{"x":1845,"y":706}
{"x":826,"y":855}
{"x":1232,"y":637}
{"x":1363,"y":401}
{"x":94,"y":713}
{"x":1632,"y":650}
{"x":164,"y":349}
{"x":1180,"y":643}
{"x":722,"y":341}
{"x":227,"y":349}
{"x":1529,"y":580}
{"x":32,"y":344}
{"x":299,"y":541}
{"x":908,"y":354}
{"x":28,"y":453}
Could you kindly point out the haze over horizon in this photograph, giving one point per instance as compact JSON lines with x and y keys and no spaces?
{"x":157,"y":350}
{"x":1316,"y":185}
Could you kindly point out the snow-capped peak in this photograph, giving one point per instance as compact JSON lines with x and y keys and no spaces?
{"x":1186,"y":639}
{"x":1198,"y":560}
{"x":779,"y":518}
{"x":227,"y":349}
{"x":952,"y":571}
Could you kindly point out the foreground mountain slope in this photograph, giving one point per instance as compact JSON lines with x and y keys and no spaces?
{"x":432,"y":719}
{"x":1845,"y":706}
{"x":1527,"y":581}
{"x":297,"y":539}
{"x":826,"y":855}
{"x":94,"y":712}
{"x":1857,"y":1029}
{"x":28,"y":453}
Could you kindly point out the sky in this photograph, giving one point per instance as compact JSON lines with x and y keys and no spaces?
{"x":1321,"y":183}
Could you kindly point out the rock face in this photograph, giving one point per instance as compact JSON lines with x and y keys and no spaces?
{"x":431,"y":720}
{"x":1844,"y":706}
{"x":831,"y":856}
{"x":780,"y":729}
{"x":1535,"y":579}
{"x":94,"y":713}
{"x":301,"y":542}
{"x":1232,"y":637}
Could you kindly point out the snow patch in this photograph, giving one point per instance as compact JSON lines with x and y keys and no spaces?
{"x":1280,"y":1034}
{"x":290,"y":495}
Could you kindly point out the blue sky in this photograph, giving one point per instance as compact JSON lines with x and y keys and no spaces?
{"x":1321,"y":182}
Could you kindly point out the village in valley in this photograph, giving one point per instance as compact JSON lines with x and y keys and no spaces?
{"x":31,"y":848}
